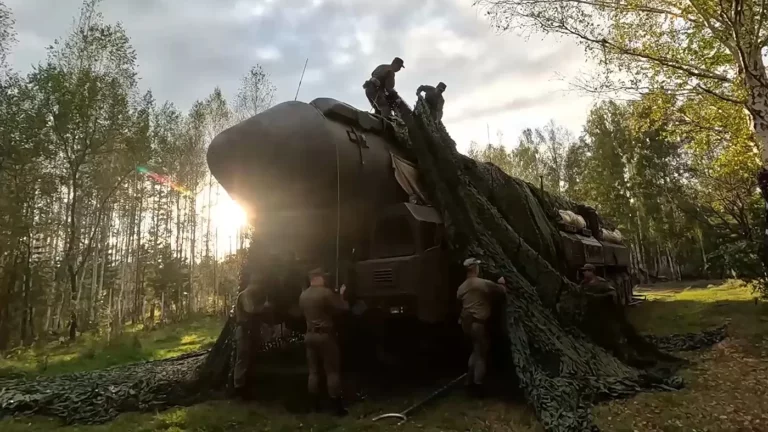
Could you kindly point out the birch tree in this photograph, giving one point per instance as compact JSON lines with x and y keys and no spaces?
{"x":7,"y":34}
{"x":256,"y":94}
{"x":88,"y":79}
{"x":694,"y":47}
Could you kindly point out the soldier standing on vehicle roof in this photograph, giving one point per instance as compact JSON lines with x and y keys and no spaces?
{"x":434,"y":98}
{"x":380,"y":88}
{"x":250,"y":309}
{"x":319,"y":304}
{"x":476,"y":296}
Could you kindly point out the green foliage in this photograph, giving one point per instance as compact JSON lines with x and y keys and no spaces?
{"x":7,"y":34}
{"x":669,"y":172}
{"x":540,"y":157}
{"x":105,"y":195}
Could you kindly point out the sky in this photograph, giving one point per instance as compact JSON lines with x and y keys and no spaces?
{"x":495,"y":82}
{"x":501,"y":82}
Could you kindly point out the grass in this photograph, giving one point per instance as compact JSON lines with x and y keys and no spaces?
{"x":725,"y":387}
{"x":91,"y":352}
{"x":724,"y":391}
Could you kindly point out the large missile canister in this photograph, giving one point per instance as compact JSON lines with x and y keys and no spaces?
{"x":291,"y":165}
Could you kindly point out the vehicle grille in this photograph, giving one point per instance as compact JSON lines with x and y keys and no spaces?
{"x":383,"y":278}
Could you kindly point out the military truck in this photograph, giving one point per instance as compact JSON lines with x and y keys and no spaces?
{"x":327,"y":184}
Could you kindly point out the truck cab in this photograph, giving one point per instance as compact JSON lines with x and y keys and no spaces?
{"x":404,"y":274}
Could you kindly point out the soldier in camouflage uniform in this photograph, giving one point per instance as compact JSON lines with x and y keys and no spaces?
{"x":595,"y":286}
{"x":603,"y":316}
{"x":250,"y":308}
{"x":319,"y":304}
{"x":476,"y":296}
{"x":434,"y":98}
{"x":380,"y":88}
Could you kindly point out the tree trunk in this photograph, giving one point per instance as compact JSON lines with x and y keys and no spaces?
{"x":138,"y":294}
{"x":70,"y":255}
{"x":191,"y":304}
{"x":26,"y":316}
{"x":756,"y":82}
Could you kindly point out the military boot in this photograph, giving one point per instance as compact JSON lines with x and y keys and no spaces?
{"x":475,"y":390}
{"x":315,"y":403}
{"x":338,"y":407}
{"x":241,"y":393}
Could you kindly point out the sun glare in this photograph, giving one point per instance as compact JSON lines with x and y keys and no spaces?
{"x":227,"y":214}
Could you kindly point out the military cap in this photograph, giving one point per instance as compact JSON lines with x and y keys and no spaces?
{"x":589,"y":267}
{"x":400,"y":61}
{"x":317,"y":272}
{"x":441,"y":85}
{"x":469,"y":262}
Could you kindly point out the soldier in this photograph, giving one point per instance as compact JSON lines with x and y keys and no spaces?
{"x":318,"y":305}
{"x":248,"y":311}
{"x":595,"y":286}
{"x":434,"y":98}
{"x":380,"y":89}
{"x":603,"y":318}
{"x":476,"y":296}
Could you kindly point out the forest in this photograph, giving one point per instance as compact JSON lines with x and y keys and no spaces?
{"x":107,"y":207}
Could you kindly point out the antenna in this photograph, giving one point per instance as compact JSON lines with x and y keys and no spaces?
{"x":301,"y":79}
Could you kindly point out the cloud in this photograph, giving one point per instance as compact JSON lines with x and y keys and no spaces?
{"x":268,"y":53}
{"x":186,"y":49}
{"x":516,"y":104}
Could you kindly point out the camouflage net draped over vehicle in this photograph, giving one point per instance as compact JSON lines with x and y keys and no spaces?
{"x":561,"y":372}
{"x":216,"y":371}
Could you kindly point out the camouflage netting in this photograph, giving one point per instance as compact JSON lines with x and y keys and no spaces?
{"x":99,"y":396}
{"x":561,"y":372}
{"x":689,"y":341}
{"x":216,"y":371}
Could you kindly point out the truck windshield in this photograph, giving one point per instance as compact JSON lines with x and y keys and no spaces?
{"x":393,"y":237}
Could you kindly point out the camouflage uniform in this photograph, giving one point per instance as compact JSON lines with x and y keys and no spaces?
{"x":599,"y":287}
{"x":476,"y":296}
{"x":434,"y":98}
{"x":599,"y":322}
{"x":380,"y":89}
{"x":318,"y":305}
{"x":247,"y":335}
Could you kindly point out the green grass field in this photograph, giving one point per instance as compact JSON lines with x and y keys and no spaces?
{"x":90,"y":353}
{"x":725,"y":386}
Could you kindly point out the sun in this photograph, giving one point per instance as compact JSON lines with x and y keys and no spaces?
{"x":227,"y":214}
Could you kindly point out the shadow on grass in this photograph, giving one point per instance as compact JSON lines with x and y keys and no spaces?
{"x":746,"y":319}
{"x":681,"y":285}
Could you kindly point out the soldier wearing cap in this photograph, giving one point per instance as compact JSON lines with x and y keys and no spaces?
{"x":319,"y":304}
{"x":434,"y":98}
{"x":380,"y":88}
{"x":251,"y":307}
{"x":476,"y":296}
{"x":595,"y":286}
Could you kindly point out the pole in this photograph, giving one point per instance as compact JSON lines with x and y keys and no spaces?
{"x":301,"y":79}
